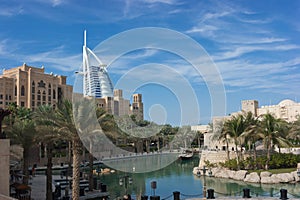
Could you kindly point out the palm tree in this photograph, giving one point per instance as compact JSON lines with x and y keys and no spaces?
{"x":272,"y":129}
{"x":234,"y":127}
{"x":294,"y":133}
{"x":48,"y":134}
{"x":85,"y":116}
{"x":67,"y":128}
{"x":252,"y":134}
{"x":23,"y":132}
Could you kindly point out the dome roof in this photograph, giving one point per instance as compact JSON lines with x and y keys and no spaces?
{"x":287,"y":102}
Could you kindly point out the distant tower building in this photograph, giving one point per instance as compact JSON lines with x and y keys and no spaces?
{"x":137,"y":107}
{"x":122,"y":105}
{"x":96,"y":82}
{"x":250,"y":106}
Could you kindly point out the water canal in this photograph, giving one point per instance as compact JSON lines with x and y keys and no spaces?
{"x":178,"y":177}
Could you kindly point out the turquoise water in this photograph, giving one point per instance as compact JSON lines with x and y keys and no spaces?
{"x":178,"y":177}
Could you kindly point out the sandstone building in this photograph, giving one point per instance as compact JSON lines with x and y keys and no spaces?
{"x":31,"y":87}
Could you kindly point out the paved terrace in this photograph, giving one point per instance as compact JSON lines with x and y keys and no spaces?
{"x":38,"y":188}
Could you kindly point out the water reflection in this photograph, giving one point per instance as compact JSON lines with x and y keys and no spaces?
{"x":178,"y":177}
{"x":142,"y":163}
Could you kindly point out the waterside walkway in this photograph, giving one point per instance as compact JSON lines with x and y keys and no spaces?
{"x":38,"y":189}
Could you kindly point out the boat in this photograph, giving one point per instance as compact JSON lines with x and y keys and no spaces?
{"x":185,"y":154}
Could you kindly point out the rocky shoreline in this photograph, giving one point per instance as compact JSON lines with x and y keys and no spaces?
{"x":253,"y":177}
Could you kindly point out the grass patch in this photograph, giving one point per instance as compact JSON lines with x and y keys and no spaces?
{"x":275,"y":171}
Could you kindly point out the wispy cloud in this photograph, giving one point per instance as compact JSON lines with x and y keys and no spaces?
{"x":170,"y":2}
{"x":8,"y":11}
{"x":271,"y":76}
{"x":56,"y":2}
{"x":56,"y":58}
{"x":241,"y":50}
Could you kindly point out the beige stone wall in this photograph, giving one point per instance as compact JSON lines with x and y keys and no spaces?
{"x":137,"y":106}
{"x":286,"y":109}
{"x":30,"y":87}
{"x":4,"y":166}
{"x":6,"y":91}
{"x":215,"y":157}
{"x":250,"y":106}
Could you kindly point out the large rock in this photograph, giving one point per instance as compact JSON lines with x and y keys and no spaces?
{"x":252,"y":178}
{"x":231,"y":173}
{"x":223,"y":173}
{"x":296,"y":177}
{"x":215,"y":170}
{"x":197,"y":171}
{"x":270,"y":179}
{"x":265,"y":174}
{"x":284,"y":177}
{"x":239,"y":175}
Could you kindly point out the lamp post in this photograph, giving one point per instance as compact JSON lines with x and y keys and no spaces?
{"x":204,"y":182}
{"x":126,"y":180}
{"x":298,"y":170}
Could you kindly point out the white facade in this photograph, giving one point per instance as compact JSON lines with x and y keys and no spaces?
{"x":96,"y":81}
{"x":287,"y":109}
{"x":97,"y":84}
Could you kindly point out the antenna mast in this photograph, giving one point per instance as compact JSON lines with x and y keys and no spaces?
{"x":84,"y":40}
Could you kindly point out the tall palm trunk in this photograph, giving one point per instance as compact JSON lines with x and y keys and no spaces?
{"x":268,"y":154}
{"x":76,"y":168}
{"x":237,"y":156}
{"x":227,"y":150}
{"x":254,"y":155}
{"x":49,"y":172}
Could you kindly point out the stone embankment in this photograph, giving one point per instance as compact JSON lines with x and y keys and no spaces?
{"x":253,"y":177}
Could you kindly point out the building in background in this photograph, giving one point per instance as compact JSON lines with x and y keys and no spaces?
{"x":287,"y":109}
{"x":97,"y":84}
{"x":31,"y":87}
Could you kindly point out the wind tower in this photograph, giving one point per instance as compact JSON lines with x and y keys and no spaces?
{"x":96,"y":81}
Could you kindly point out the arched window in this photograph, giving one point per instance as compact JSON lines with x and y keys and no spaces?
{"x":39,"y":95}
{"x":49,"y":89}
{"x":44,"y":96}
{"x":54,"y":94}
{"x":22,"y":90}
{"x":33,"y":87}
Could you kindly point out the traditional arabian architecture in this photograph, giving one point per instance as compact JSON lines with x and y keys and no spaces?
{"x":287,"y":109}
{"x":214,"y":149}
{"x":30,"y":87}
{"x":97,"y":84}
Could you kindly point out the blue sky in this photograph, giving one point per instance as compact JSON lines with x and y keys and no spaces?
{"x":254,"y":44}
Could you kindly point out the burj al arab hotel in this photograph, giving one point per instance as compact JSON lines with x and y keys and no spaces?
{"x":96,"y":81}
{"x":97,"y":84}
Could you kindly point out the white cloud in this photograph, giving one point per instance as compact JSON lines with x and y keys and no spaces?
{"x":11,"y":50}
{"x":170,"y":2}
{"x":271,"y":77}
{"x":11,"y":11}
{"x":56,"y":2}
{"x":205,"y":29}
{"x":56,"y":58}
{"x":241,"y":50}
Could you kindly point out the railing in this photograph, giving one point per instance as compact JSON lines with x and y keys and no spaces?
{"x":246,"y":193}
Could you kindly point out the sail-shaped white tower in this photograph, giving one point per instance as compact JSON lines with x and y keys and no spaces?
{"x":96,"y":81}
